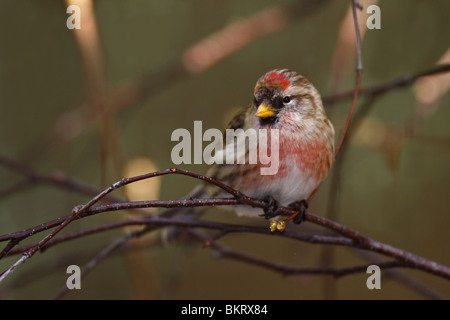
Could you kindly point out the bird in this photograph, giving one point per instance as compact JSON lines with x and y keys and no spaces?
{"x":288,"y":103}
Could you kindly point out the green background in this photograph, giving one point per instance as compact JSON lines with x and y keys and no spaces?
{"x":399,"y":196}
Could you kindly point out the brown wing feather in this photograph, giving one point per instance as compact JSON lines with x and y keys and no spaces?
{"x":238,"y":121}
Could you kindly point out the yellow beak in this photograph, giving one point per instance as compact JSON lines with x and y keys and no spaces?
{"x":265,"y":111}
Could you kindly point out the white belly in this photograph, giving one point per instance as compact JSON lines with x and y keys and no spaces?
{"x":296,"y":185}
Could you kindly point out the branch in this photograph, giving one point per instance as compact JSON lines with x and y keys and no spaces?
{"x":115,"y":245}
{"x":224,"y":251}
{"x":159,"y":222}
{"x":380,"y":89}
{"x":57,"y":179}
{"x":197,"y":58}
{"x":358,"y":240}
{"x":359,"y":69}
{"x":401,"y":276}
{"x":286,"y":269}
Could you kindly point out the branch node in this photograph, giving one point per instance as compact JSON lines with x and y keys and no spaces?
{"x":118,"y":184}
{"x":77,"y":209}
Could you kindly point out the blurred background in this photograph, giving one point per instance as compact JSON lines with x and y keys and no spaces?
{"x":100,"y":103}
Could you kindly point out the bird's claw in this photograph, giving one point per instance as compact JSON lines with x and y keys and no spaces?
{"x":300,"y":207}
{"x":272,"y":207}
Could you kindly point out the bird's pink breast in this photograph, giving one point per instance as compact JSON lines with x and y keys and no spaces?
{"x":312,"y":158}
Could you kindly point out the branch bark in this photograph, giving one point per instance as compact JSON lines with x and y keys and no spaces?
{"x":357,"y":239}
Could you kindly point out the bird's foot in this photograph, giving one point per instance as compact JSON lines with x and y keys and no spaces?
{"x":300,"y":215}
{"x":272,"y":207}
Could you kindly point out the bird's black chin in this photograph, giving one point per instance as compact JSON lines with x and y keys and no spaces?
{"x":268,"y":121}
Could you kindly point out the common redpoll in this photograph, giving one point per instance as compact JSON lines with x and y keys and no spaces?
{"x":287,"y":104}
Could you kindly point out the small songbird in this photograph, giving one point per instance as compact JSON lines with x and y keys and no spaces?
{"x":288,"y":103}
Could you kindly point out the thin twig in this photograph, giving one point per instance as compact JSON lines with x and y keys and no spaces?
{"x":159,"y":222}
{"x":286,"y":269}
{"x":360,"y":241}
{"x":57,"y":179}
{"x":215,"y":47}
{"x":385,"y":87}
{"x":77,"y":211}
{"x":402,"y":277}
{"x":359,"y":69}
{"x":113,"y":246}
{"x":224,"y":251}
{"x":327,"y":254}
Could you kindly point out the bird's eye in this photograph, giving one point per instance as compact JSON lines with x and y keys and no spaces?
{"x":286,"y":99}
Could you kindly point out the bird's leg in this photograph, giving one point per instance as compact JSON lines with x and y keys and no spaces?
{"x":300,"y":207}
{"x":272,"y":207}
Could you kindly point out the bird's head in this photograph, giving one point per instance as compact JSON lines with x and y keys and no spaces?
{"x":283,"y":96}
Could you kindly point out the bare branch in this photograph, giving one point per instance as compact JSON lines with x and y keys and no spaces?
{"x":359,"y":69}
{"x":113,"y":246}
{"x":286,"y":269}
{"x":57,"y":179}
{"x":380,"y":89}
{"x":358,"y":240}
